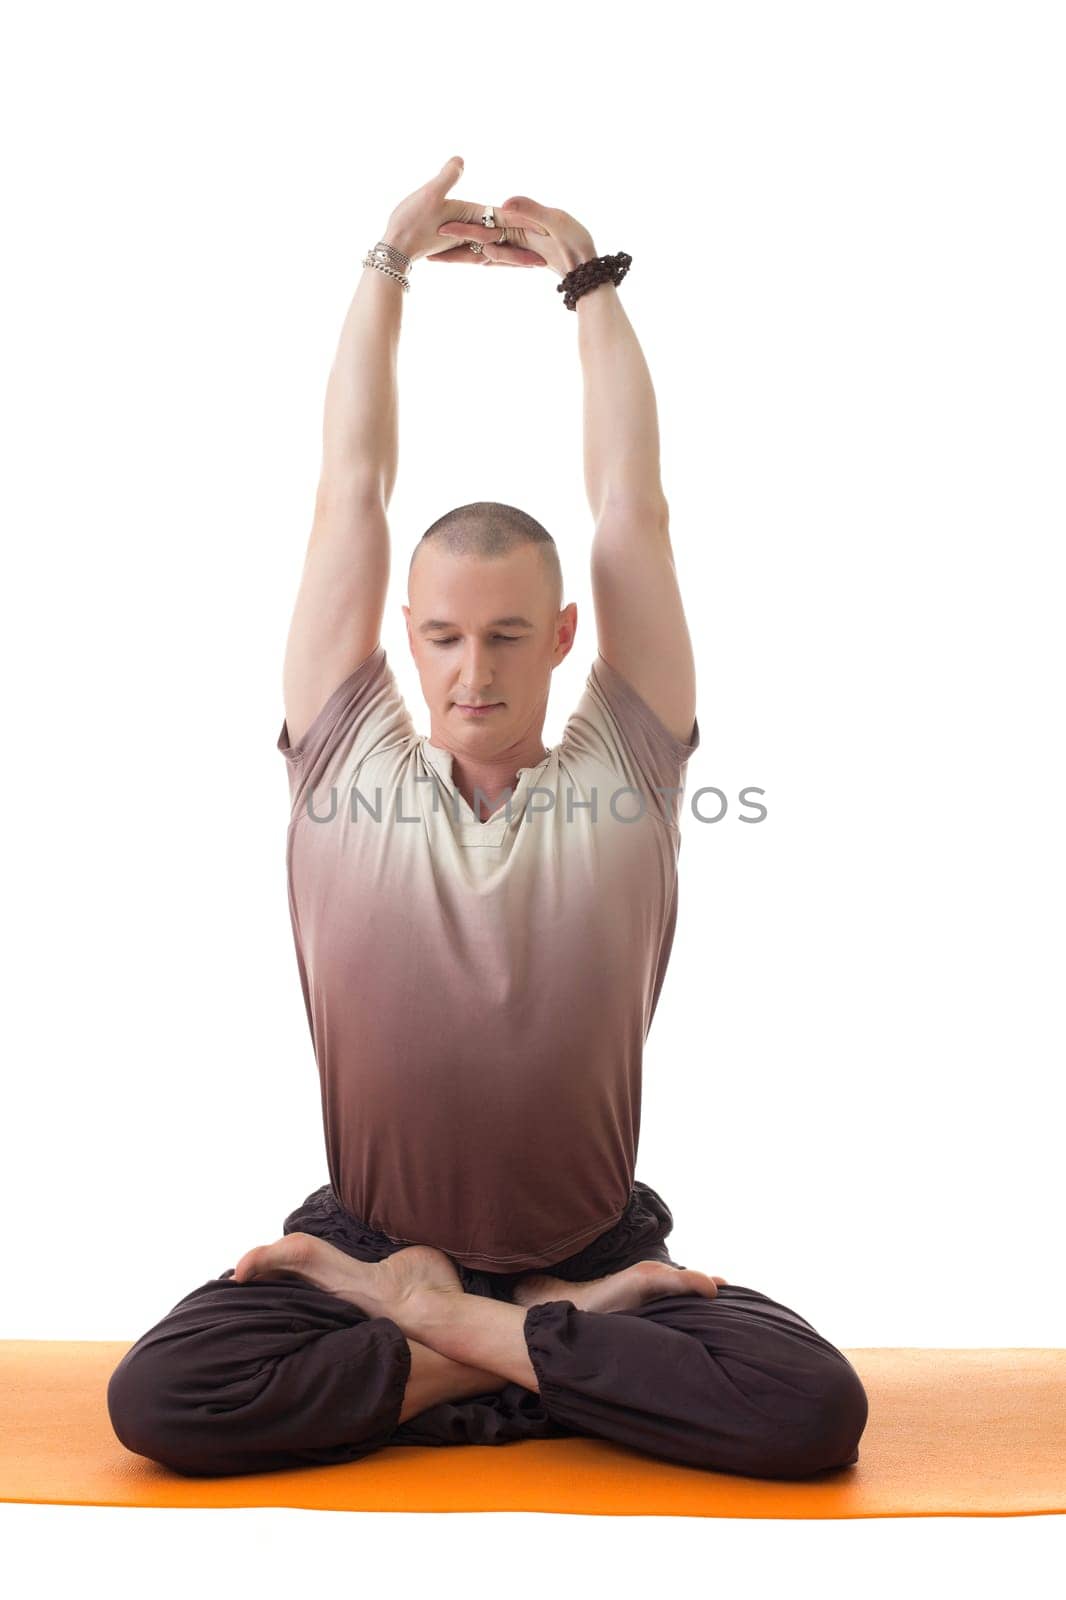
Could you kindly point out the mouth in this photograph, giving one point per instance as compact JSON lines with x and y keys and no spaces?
{"x":478,"y":710}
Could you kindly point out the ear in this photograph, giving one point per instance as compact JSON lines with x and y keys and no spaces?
{"x":566,"y":630}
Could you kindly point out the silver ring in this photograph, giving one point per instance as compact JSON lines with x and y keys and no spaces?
{"x":488,"y":220}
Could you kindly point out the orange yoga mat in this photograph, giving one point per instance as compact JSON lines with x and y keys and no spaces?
{"x":963,"y":1432}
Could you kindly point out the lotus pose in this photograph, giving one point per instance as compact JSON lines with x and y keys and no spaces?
{"x":482,"y":928}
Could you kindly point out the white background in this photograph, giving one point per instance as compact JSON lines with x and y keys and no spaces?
{"x":847,"y":240}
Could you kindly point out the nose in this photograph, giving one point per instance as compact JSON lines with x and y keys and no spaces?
{"x":476,"y":672}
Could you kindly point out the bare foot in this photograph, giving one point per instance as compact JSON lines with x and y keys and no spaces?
{"x":618,"y":1291}
{"x":380,"y":1288}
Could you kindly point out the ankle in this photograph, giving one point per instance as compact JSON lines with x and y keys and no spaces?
{"x":435,"y":1378}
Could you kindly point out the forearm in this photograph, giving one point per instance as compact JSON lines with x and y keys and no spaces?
{"x":360,"y":433}
{"x":621,"y":425}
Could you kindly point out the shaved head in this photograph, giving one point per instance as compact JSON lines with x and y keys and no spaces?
{"x":489,"y":529}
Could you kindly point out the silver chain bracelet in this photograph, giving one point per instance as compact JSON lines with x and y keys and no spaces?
{"x":388,"y":259}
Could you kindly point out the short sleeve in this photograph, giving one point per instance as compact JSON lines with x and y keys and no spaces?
{"x":363,"y":715}
{"x":615,"y":727}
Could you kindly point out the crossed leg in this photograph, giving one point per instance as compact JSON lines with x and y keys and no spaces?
{"x":259,"y":1377}
{"x":737,"y":1383}
{"x":655,"y":1356}
{"x":251,"y":1377}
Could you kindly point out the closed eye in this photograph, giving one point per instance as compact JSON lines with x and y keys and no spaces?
{"x":505,"y":638}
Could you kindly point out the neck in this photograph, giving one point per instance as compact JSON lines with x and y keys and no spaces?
{"x":493,"y":774}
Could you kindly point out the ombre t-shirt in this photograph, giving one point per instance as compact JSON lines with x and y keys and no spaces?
{"x":479,"y":993}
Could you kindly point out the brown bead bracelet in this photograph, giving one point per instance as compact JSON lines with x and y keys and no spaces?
{"x":590,"y":274}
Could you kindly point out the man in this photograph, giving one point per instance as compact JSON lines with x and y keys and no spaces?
{"x":482,"y":929}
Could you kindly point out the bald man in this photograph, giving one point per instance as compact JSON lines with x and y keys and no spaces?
{"x":482,"y":927}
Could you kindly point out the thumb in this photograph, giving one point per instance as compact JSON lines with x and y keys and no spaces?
{"x":451,"y":172}
{"x":524,"y":210}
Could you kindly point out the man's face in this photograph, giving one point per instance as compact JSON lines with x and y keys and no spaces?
{"x":476,"y":658}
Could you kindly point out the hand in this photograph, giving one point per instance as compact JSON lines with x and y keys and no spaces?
{"x":413,"y":225}
{"x":561,"y":241}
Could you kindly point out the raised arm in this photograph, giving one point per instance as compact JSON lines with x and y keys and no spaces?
{"x":640,"y":619}
{"x":336,"y":622}
{"x":341,"y":600}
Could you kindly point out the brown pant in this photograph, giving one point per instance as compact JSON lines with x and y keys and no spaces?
{"x":257,"y":1377}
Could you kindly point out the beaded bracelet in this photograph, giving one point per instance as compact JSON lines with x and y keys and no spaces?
{"x":590,"y":274}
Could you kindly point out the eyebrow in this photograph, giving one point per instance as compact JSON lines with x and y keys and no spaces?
{"x":497,"y":622}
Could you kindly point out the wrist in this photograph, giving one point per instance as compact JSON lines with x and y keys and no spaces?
{"x":400,"y":240}
{"x":574,"y":255}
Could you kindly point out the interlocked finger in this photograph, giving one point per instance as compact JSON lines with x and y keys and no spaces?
{"x":488,"y":252}
{"x":489,"y":255}
{"x":493,"y":251}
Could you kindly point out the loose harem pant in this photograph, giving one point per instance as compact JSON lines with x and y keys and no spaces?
{"x":261,"y":1376}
